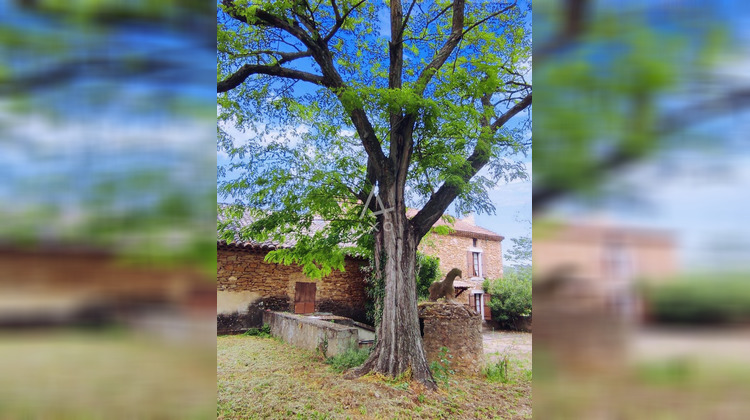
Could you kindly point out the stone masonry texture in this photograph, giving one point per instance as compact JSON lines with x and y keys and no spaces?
{"x":251,"y":285}
{"x":456,"y":327}
{"x":452,"y":251}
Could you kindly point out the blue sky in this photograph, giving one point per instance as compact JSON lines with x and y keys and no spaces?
{"x":87,"y":146}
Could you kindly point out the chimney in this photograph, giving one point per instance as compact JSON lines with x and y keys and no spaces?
{"x":469,"y":219}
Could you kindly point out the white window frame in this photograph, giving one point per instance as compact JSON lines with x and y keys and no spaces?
{"x":481,"y":264}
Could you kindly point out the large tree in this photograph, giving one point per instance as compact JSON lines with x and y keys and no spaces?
{"x":347,"y":103}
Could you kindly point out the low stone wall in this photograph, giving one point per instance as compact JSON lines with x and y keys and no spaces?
{"x":457,"y":327}
{"x":312,"y":334}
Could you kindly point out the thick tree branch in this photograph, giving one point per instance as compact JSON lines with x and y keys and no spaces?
{"x":264,"y":18}
{"x":525,"y":102}
{"x":576,"y":13}
{"x":238,"y":77}
{"x":396,"y":58}
{"x":487,"y":18}
{"x":283,"y":57}
{"x":340,"y":19}
{"x":677,"y":121}
{"x":448,"y":192}
{"x":457,"y":26}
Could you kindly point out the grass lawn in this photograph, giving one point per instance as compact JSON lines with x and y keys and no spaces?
{"x":672,"y":375}
{"x":103,"y":375}
{"x":266,"y":378}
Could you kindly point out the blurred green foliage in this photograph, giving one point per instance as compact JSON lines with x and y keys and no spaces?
{"x":101,"y":140}
{"x":718,"y":298}
{"x":612,"y":88}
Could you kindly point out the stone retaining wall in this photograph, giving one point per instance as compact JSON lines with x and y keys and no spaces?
{"x":312,"y":334}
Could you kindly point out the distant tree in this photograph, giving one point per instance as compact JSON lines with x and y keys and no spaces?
{"x":520,"y":251}
{"x":342,"y":115}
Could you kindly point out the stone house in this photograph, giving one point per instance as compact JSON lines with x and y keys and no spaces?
{"x":59,"y":284}
{"x":607,"y":260}
{"x":476,"y":251}
{"x":247,"y":285}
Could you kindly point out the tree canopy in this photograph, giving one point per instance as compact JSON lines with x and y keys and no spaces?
{"x":319,"y":107}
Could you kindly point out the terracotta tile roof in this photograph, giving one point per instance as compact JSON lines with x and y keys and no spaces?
{"x":249,"y":246}
{"x":246,"y":220}
{"x":601,"y":233}
{"x":462,"y":227}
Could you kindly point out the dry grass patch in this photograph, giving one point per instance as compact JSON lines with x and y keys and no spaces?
{"x":266,"y":378}
{"x":109,"y":375}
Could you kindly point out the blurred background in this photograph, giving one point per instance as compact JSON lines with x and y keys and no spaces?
{"x":641,"y":236}
{"x":107,"y":202}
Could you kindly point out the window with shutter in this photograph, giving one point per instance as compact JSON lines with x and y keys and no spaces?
{"x":476,"y":272}
{"x":478,"y":303}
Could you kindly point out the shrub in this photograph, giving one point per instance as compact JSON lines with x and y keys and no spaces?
{"x":511,"y":297}
{"x":428,"y":271}
{"x":351,"y":358}
{"x":262,"y":332}
{"x":719,"y":299}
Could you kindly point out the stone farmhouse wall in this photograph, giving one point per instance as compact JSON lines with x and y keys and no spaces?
{"x":247,"y":285}
{"x":452,"y":251}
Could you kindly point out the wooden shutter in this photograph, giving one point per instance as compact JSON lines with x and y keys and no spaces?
{"x":481,"y":265}
{"x":304,"y":298}
{"x":487,"y":313}
{"x":470,"y":265}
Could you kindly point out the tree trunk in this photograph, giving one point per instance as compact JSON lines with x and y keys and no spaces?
{"x":399,"y":344}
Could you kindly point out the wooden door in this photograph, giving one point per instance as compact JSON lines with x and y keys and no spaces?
{"x":304,"y":298}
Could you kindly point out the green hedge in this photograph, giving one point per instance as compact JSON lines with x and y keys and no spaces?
{"x":428,"y":271}
{"x":715,"y":299}
{"x":511,"y":297}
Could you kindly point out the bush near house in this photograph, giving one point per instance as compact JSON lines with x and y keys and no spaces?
{"x":428,"y":272}
{"x":700,"y":299}
{"x":511,"y":297}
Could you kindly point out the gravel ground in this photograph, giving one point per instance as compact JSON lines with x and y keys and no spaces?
{"x":512,"y":343}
